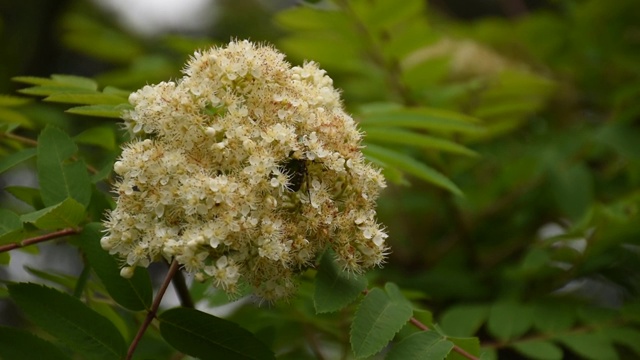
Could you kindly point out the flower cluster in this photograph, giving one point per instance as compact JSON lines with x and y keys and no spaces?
{"x":243,"y":171}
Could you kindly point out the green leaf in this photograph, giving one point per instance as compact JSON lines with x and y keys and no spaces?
{"x":103,"y":136}
{"x":48,"y":90}
{"x":75,"y":81}
{"x":34,"y":80}
{"x":10,"y":227}
{"x":28,"y":195}
{"x":411,"y":166}
{"x":69,"y":320}
{"x":68,"y":213}
{"x":464,"y":320}
{"x":468,"y":344}
{"x":593,"y":346}
{"x":58,"y":178}
{"x":20,"y":344}
{"x":107,"y":111}
{"x":378,"y":318}
{"x":625,"y":336}
{"x":423,"y":118}
{"x":423,"y":345}
{"x":508,"y":320}
{"x":86,"y":98}
{"x":205,"y":336}
{"x":67,"y":281}
{"x":410,"y":138}
{"x":552,"y":317}
{"x":134,"y":293}
{"x":11,"y":101}
{"x":335,"y":288}
{"x":572,"y":189}
{"x":539,"y":350}
{"x":5,"y":259}
{"x":16,"y":158}
{"x":15,"y":117}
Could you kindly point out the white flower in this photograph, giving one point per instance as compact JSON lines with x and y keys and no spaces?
{"x":207,"y":179}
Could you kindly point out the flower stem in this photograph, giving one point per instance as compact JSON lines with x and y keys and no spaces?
{"x":39,"y":239}
{"x":154,"y":308}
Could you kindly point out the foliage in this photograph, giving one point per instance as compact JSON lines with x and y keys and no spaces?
{"x":516,"y":239}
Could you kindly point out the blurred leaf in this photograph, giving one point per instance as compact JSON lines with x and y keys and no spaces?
{"x":20,"y":344}
{"x":67,"y":281}
{"x":69,"y":320}
{"x":438,"y":120}
{"x":539,"y":350}
{"x":48,"y":90}
{"x":423,"y":345}
{"x":68,"y":213}
{"x":135,"y":293}
{"x":85,"y":98}
{"x":10,"y":100}
{"x":553,"y":317}
{"x":103,"y":136}
{"x":592,"y":346}
{"x":5,"y":259}
{"x":15,"y":117}
{"x":107,"y":111}
{"x":16,"y":158}
{"x":409,"y":138}
{"x":10,"y":227}
{"x":509,"y":320}
{"x":379,"y":317}
{"x":59,"y":178}
{"x":572,"y":189}
{"x":208,"y":337}
{"x":411,"y":166}
{"x":75,"y":81}
{"x":625,"y":336}
{"x":28,"y":195}
{"x":464,"y":320}
{"x":334,"y":288}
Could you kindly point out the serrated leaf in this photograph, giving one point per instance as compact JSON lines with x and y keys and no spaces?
{"x":378,"y":318}
{"x":103,"y":136}
{"x":423,"y":345}
{"x":28,"y":195}
{"x":69,"y":320}
{"x":593,"y":346}
{"x":334,"y":288}
{"x":85,"y":98}
{"x":410,"y":138}
{"x":134,"y":293}
{"x":539,"y":350}
{"x":10,"y":226}
{"x":508,"y":320}
{"x":107,"y":111}
{"x":205,"y":336}
{"x":464,"y":320}
{"x":14,"y":117}
{"x":411,"y":166}
{"x":58,"y":178}
{"x":68,"y":213}
{"x":67,"y":281}
{"x":423,"y":118}
{"x":20,"y":344}
{"x":16,"y":158}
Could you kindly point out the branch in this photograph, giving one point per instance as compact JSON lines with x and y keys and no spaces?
{"x":39,"y":239}
{"x":154,"y":308}
{"x":182,"y":290}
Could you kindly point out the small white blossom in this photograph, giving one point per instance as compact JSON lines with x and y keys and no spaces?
{"x":243,"y":171}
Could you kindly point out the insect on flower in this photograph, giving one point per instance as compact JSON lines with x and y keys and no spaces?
{"x":296,"y":167}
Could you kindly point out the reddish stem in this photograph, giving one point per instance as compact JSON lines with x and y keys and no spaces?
{"x":39,"y":239}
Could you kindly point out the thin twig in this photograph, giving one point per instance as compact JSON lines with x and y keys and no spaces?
{"x":39,"y":239}
{"x":154,"y":308}
{"x":21,"y":139}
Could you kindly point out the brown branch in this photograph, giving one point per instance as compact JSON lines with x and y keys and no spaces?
{"x":154,"y":308}
{"x":39,"y":239}
{"x":182,"y":290}
{"x":21,"y":139}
